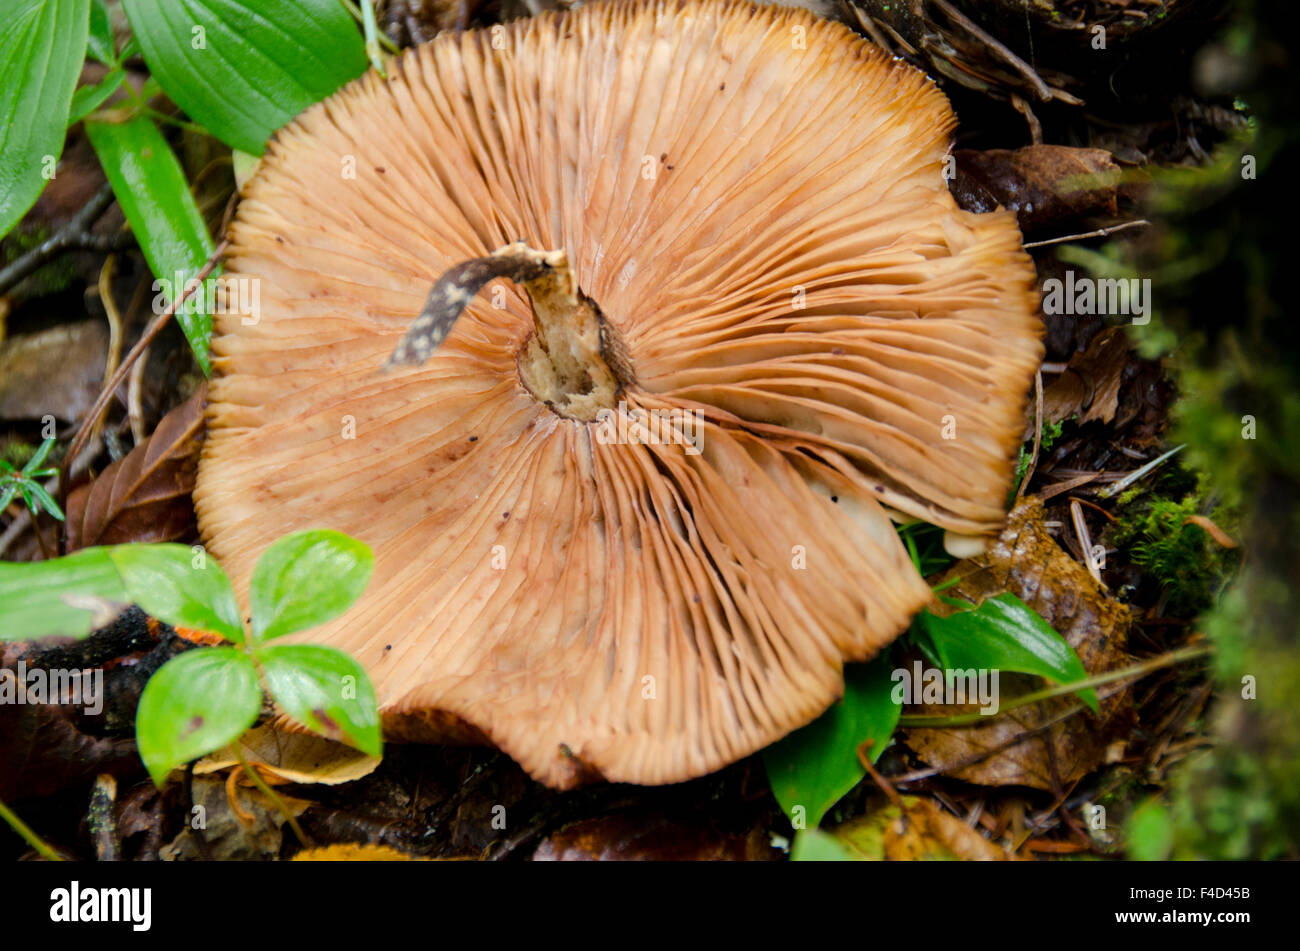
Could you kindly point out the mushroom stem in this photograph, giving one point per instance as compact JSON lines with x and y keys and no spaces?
{"x":572,"y":362}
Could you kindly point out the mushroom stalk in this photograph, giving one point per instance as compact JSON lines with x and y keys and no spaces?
{"x":572,"y":362}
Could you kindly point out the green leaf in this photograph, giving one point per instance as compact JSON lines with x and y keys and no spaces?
{"x":197,"y":702}
{"x":38,"y":456}
{"x":1004,"y":633}
{"x":42,"y":45}
{"x":89,"y":98}
{"x":325,"y":690}
{"x":241,"y":69}
{"x":1150,"y":832}
{"x":179,"y":586}
{"x":814,"y":845}
{"x":154,"y":195}
{"x":62,"y":597}
{"x":305,"y":579}
{"x":812,"y":768}
{"x":44,"y":500}
{"x":100,"y":39}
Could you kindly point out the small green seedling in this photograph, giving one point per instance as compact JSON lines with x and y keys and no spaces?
{"x":25,"y":482}
{"x":204,"y":699}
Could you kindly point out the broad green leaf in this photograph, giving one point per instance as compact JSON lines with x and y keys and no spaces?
{"x":305,"y":579}
{"x":814,"y":845}
{"x":197,"y":702}
{"x":42,"y":45}
{"x":89,"y":98}
{"x":326,"y":690}
{"x":1004,"y":633}
{"x":62,"y":597}
{"x":154,"y":195}
{"x":182,"y":587}
{"x":812,"y":768}
{"x":99,"y":42}
{"x":244,"y":69}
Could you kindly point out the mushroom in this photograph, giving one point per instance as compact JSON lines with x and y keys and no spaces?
{"x":631,"y":510}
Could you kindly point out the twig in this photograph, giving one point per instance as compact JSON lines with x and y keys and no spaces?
{"x":864,"y":757}
{"x":1099,"y":233}
{"x":998,"y":49}
{"x":110,"y":387}
{"x":73,"y":236}
{"x":134,"y":408}
{"x":1065,"y":486}
{"x":1085,"y":541}
{"x":114,"y":327}
{"x":1038,"y":434}
{"x":1136,"y":670}
{"x":1026,"y":110}
{"x":1116,"y":488}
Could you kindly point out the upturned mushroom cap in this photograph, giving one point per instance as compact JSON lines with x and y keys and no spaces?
{"x":754,"y":200}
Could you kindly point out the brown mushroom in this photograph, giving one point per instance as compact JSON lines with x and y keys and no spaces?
{"x":760,"y":258}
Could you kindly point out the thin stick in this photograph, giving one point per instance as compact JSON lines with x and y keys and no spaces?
{"x":1115,"y":488}
{"x":1110,"y":676}
{"x":114,"y":327}
{"x":864,"y":757}
{"x":28,"y":836}
{"x":1085,"y":541}
{"x":1099,"y":233}
{"x":1002,"y":53}
{"x":75,"y":235}
{"x":152,"y":331}
{"x":1038,"y":434}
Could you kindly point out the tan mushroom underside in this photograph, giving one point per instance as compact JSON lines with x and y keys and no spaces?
{"x":755,"y":199}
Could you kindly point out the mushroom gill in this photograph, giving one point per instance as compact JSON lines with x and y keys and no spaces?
{"x":647,"y":576}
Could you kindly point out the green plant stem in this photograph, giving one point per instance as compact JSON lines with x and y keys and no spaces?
{"x":1136,"y":670}
{"x":272,"y":795}
{"x":30,"y":837}
{"x":383,"y":38}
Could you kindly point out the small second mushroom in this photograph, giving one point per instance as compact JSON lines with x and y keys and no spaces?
{"x":633,"y":527}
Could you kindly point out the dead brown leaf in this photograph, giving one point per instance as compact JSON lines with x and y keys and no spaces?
{"x":43,"y":750}
{"x":292,"y":758}
{"x":1047,"y":186}
{"x":58,"y":371}
{"x":1091,"y":383}
{"x":144,"y":496}
{"x":927,"y":832}
{"x":1027,"y":562}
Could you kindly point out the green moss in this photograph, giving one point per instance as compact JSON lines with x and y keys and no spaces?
{"x":1156,"y":533}
{"x":50,"y":278}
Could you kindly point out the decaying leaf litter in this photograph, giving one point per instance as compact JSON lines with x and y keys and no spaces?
{"x":1022,"y":781}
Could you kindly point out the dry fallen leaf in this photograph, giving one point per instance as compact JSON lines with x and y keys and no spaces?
{"x":1027,"y":562}
{"x":1090,"y":384}
{"x":257,"y":836}
{"x":293,"y":758}
{"x":58,"y":371}
{"x":144,"y":496}
{"x":1047,"y":186}
{"x":927,"y":833}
